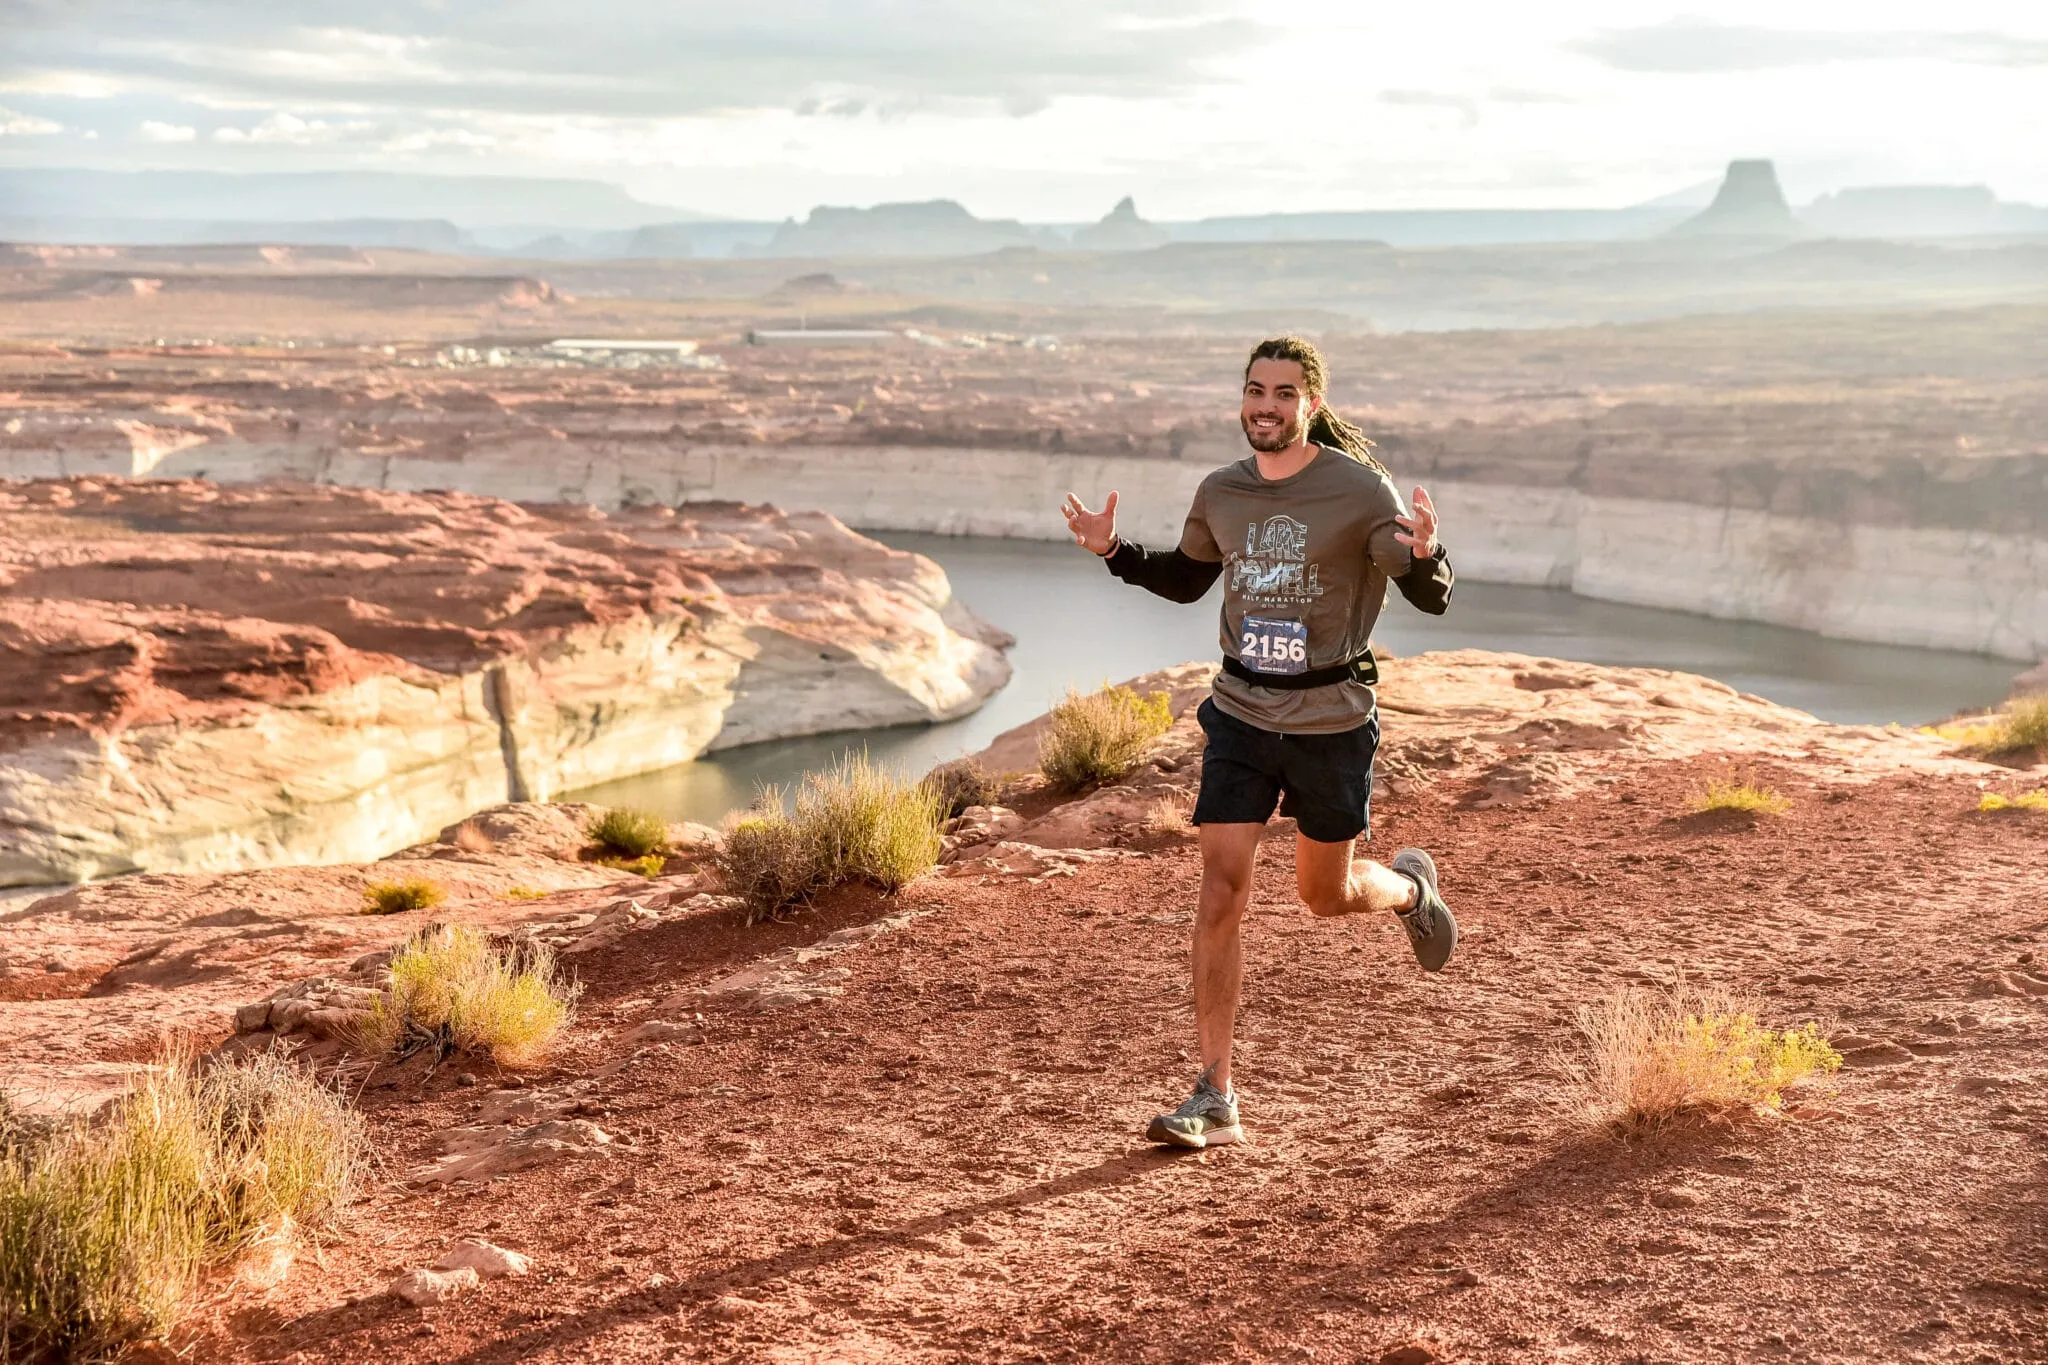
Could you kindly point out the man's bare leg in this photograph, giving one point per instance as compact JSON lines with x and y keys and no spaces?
{"x":1332,"y":882}
{"x":1228,"y":855}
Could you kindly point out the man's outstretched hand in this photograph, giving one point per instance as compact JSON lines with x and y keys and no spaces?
{"x":1096,"y":530}
{"x":1418,"y":528}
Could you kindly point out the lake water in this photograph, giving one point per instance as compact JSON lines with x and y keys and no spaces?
{"x":1078,"y":627}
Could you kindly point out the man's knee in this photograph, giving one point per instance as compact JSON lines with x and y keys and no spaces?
{"x":1325,"y":901}
{"x":1222,"y":905}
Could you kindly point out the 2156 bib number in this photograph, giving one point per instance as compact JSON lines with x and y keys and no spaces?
{"x":1267,"y":645}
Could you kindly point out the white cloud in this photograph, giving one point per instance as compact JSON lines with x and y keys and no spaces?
{"x":1688,"y":44}
{"x":26,"y":125}
{"x":154,"y":131}
{"x":291,"y":130}
{"x":67,"y":84}
{"x":1054,"y":109}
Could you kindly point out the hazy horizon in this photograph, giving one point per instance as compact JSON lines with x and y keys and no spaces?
{"x":1045,"y":112}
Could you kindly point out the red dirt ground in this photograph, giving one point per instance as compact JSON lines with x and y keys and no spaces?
{"x":943,"y":1164}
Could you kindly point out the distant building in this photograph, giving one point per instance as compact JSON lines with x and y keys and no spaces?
{"x":818,"y":336}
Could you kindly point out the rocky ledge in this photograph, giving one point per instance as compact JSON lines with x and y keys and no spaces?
{"x":983,"y":1048}
{"x":202,"y":678}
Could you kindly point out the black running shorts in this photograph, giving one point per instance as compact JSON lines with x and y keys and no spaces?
{"x":1322,"y":782}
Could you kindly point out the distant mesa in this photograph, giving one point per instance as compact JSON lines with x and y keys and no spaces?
{"x":1748,"y":204}
{"x":1908,"y":211}
{"x":817,"y":282}
{"x":937,"y":227}
{"x":1121,"y":229}
{"x":663,"y":241}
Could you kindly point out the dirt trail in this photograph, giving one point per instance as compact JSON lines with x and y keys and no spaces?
{"x":940,"y":1162}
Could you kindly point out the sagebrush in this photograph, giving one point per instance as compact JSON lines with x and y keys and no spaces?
{"x":852,"y":822}
{"x":963,"y":783}
{"x":105,"y":1227}
{"x":624,"y":832}
{"x":1650,"y":1056}
{"x":1099,"y":736}
{"x":2018,"y":727}
{"x":397,"y":897}
{"x":453,"y":990}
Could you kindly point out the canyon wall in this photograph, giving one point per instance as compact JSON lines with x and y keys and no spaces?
{"x":1829,"y":566}
{"x":201,"y":678}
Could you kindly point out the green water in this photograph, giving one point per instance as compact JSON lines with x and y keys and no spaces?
{"x":1076,"y":626}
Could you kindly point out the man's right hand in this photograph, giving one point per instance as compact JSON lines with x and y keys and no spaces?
{"x":1096,"y":530}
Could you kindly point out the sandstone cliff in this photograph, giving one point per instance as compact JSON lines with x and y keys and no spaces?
{"x":202,"y":677}
{"x":1874,"y":477}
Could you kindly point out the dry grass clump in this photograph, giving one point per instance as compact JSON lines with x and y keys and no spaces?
{"x":410,"y":893}
{"x":1170,"y":814}
{"x":623,"y":832}
{"x":851,"y":822}
{"x":1724,"y":794}
{"x":523,"y":893}
{"x":2037,"y":801}
{"x":963,"y":783}
{"x":452,"y":990}
{"x":1652,"y":1056}
{"x":1098,"y":737}
{"x":2020,"y":726}
{"x":649,"y":866}
{"x":105,"y":1227}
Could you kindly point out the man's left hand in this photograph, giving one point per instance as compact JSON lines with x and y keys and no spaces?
{"x":1418,"y":529}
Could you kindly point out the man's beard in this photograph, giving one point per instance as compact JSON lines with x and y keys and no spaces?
{"x":1278,"y":438}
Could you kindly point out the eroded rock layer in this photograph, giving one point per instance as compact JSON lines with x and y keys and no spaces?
{"x":1874,"y":476}
{"x":201,"y":678}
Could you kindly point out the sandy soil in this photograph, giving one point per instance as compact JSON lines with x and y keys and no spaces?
{"x":941,"y":1162}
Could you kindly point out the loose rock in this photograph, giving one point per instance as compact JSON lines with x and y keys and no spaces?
{"x":485,"y":1259}
{"x":421,"y":1287}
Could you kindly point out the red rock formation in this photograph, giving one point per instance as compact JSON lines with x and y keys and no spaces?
{"x":214,"y":676}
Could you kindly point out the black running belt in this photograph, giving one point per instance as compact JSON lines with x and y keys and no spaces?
{"x":1363,"y":669}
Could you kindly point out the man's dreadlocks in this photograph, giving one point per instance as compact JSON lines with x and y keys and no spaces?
{"x":1326,"y":427}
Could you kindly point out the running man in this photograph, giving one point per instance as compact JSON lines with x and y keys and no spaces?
{"x":1306,"y":535}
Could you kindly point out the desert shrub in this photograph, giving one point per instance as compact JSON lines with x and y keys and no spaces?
{"x":410,"y":893}
{"x":1098,"y":737}
{"x":768,"y":860}
{"x":452,"y":990}
{"x":1724,"y":794}
{"x":1991,"y":801}
{"x":868,"y":824}
{"x":649,"y":866}
{"x":285,"y":1150}
{"x":523,"y":893}
{"x":963,"y":783}
{"x":2021,"y":725}
{"x":624,"y":832}
{"x":851,"y":822}
{"x":1651,"y":1056}
{"x":105,"y":1227}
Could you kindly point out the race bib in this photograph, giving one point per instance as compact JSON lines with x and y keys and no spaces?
{"x":1266,"y":645}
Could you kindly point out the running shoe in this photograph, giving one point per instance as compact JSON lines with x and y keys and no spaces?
{"x":1432,"y":932}
{"x":1207,"y":1118}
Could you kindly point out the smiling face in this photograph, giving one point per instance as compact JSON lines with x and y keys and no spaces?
{"x":1277,"y":404}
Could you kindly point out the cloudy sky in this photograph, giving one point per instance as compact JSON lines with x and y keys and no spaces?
{"x":1047,"y":110}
